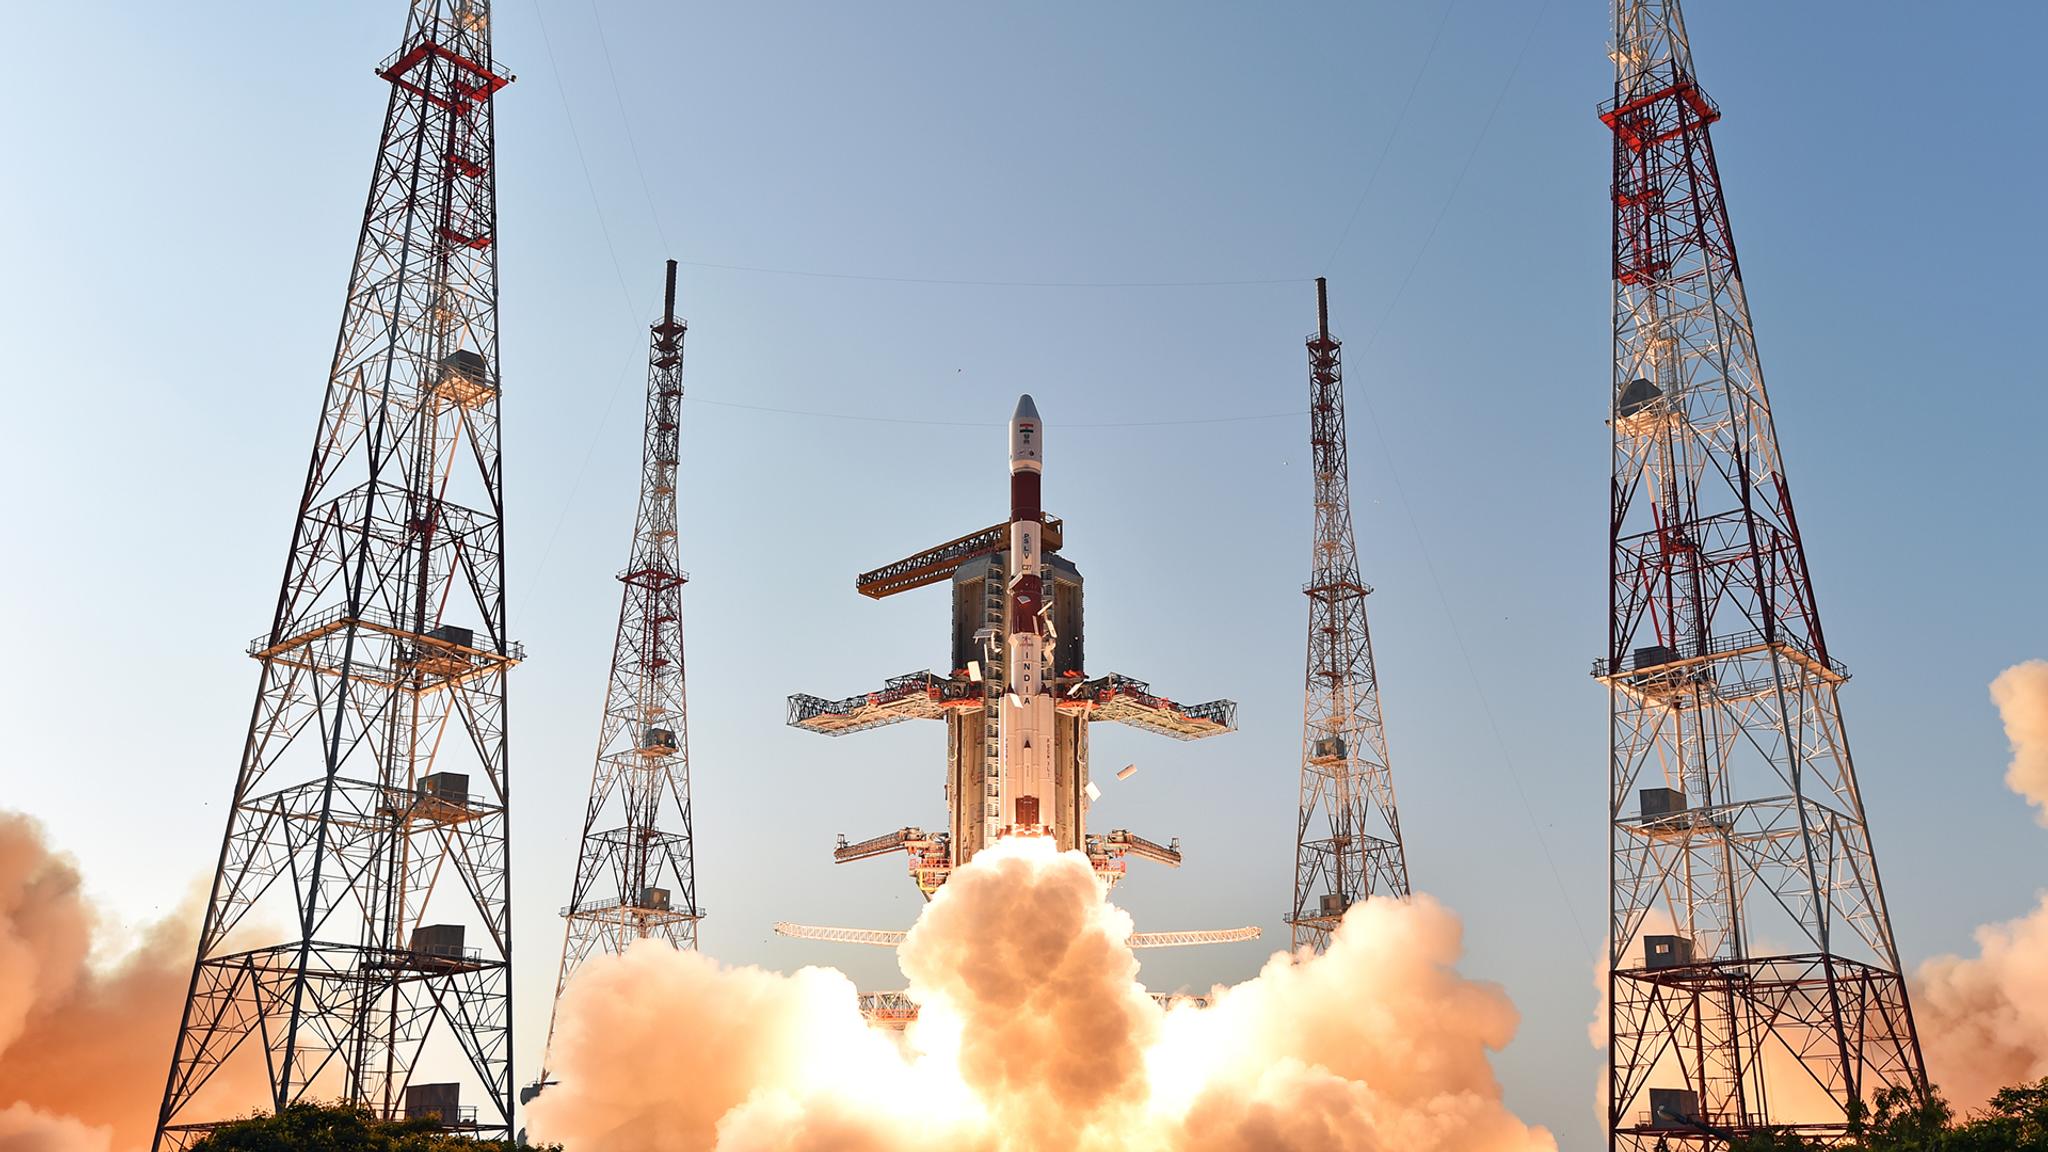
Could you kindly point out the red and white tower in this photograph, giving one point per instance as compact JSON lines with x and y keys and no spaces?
{"x":359,"y":932}
{"x":1753,"y":978}
{"x":1347,"y":844}
{"x":636,"y":876}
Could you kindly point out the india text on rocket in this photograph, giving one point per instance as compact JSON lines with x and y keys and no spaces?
{"x":1016,"y":701}
{"x":1024,"y":765}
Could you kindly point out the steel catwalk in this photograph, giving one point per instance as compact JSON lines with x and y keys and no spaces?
{"x":1751,"y":951}
{"x":635,"y":872}
{"x":1347,"y":845}
{"x":359,"y":928}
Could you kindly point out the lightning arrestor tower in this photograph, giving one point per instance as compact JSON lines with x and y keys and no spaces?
{"x":1348,"y":841}
{"x":635,"y":875}
{"x":1753,"y":978}
{"x":365,"y":862}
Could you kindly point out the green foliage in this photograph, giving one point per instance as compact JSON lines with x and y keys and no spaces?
{"x":2016,"y":1120}
{"x":1774,"y":1140}
{"x":338,"y":1128}
{"x":1903,"y":1123}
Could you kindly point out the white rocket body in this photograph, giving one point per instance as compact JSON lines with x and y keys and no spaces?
{"x":1025,"y":739}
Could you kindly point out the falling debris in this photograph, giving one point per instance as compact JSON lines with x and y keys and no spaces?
{"x":1127,"y":771}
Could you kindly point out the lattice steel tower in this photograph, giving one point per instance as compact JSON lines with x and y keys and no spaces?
{"x":1348,"y":844}
{"x":1753,"y":978}
{"x":635,"y":875}
{"x":368,"y":824}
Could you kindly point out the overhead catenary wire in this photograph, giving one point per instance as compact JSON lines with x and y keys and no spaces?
{"x":625,"y":293}
{"x":1400,"y":118}
{"x":632,"y":144}
{"x":1107,"y":284}
{"x":1408,"y":509}
{"x":576,"y":139}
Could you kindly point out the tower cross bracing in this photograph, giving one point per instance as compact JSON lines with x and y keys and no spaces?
{"x":358,"y":935}
{"x":636,"y":872}
{"x":1348,"y":837}
{"x":1752,"y":965}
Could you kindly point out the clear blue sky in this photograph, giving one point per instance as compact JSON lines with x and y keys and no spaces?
{"x":184,"y":187}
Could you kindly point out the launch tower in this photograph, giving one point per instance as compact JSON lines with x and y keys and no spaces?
{"x":635,"y":874}
{"x":1347,"y":844}
{"x":360,"y":925}
{"x":1753,"y":978}
{"x":1007,"y":608}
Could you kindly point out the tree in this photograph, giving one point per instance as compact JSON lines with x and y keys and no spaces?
{"x":2016,"y":1120}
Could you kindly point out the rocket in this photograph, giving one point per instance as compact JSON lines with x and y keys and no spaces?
{"x":1025,"y":730}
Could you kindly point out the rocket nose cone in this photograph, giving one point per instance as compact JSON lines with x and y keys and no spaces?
{"x":1026,"y":410}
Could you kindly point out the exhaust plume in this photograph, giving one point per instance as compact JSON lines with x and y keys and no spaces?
{"x":2021,"y":693}
{"x":1984,"y":1019}
{"x":83,"y":1049}
{"x":1034,"y":1034}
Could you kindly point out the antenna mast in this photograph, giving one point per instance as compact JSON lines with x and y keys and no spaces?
{"x":1347,"y":844}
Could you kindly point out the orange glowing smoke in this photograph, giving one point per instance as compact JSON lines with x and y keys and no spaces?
{"x":1984,"y":1020}
{"x":82,"y":1049}
{"x":2021,"y":693}
{"x":1035,"y":1034}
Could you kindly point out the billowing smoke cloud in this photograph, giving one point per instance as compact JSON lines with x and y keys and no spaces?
{"x":24,"y":1129}
{"x":83,"y":1049}
{"x":2021,"y":693}
{"x":1034,"y":1034}
{"x":1984,"y":1020}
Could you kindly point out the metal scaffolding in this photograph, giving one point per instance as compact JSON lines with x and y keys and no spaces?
{"x":368,"y":822}
{"x":1750,"y":945}
{"x":1347,"y":844}
{"x":636,"y":872}
{"x":927,"y":696}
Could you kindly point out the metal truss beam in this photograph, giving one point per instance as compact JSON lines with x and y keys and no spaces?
{"x":366,"y":844}
{"x":1347,"y":845}
{"x":636,"y":873}
{"x":1750,"y":942}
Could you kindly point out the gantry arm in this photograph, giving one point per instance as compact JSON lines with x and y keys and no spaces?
{"x":901,"y":839}
{"x":913,"y":696}
{"x":935,"y":564}
{"x":1127,"y":701}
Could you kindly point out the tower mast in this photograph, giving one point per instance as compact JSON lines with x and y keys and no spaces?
{"x":635,"y":874}
{"x":1348,"y":842}
{"x":365,"y":849}
{"x":1750,"y":945}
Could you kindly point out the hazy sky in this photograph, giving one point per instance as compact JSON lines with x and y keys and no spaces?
{"x":184,"y":187}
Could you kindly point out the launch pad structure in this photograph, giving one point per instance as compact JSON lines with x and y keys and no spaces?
{"x":1751,"y":950}
{"x":636,"y":874}
{"x":359,"y":929}
{"x":986,"y":699}
{"x":1347,"y":843}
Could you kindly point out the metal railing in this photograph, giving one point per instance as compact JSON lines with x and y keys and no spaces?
{"x":1692,"y":649}
{"x":337,"y":618}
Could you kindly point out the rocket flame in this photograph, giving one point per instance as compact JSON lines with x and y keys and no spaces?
{"x":1034,"y":1033}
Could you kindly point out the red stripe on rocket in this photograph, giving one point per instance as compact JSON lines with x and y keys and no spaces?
{"x":1026,"y":724}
